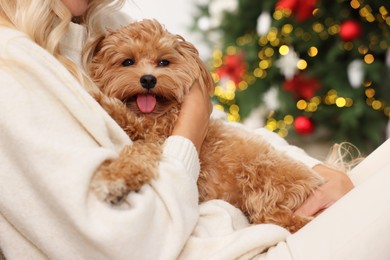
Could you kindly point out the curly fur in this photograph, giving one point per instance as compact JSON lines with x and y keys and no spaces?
{"x":236,"y":165}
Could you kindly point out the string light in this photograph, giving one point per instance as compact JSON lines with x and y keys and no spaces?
{"x":301,"y":104}
{"x":231,"y":50}
{"x":376,"y":105}
{"x":318,"y":27}
{"x":302,"y":64}
{"x":243,"y":85}
{"x":288,"y":119}
{"x":369,"y":58}
{"x":287,"y":29}
{"x":312,"y":107}
{"x":284,"y":49}
{"x":264,"y":64}
{"x":259,"y":73}
{"x":370,"y":92}
{"x":334,"y":29}
{"x":362,"y":50}
{"x":355,"y":4}
{"x":313,"y":51}
{"x":340,"y":102}
{"x":263,"y":41}
{"x":219,"y":107}
{"x":269,"y":52}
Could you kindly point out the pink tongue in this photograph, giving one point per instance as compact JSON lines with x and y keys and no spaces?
{"x":146,"y":103}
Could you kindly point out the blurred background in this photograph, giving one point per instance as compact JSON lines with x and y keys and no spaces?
{"x":315,"y":72}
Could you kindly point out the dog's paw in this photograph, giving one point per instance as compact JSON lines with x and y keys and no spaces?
{"x":113,"y":192}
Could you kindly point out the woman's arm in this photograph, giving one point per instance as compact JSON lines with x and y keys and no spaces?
{"x":194,"y":115}
{"x":336,"y":185}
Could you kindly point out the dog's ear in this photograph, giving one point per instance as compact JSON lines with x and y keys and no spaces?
{"x":97,"y":43}
{"x":191,"y":54}
{"x":92,"y":59}
{"x":91,"y":48}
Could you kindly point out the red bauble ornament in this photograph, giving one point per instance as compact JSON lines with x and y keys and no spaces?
{"x":302,"y":86}
{"x":304,"y":125}
{"x":287,"y":4}
{"x":233,"y":67}
{"x":305,"y":10}
{"x":302,"y":9}
{"x":350,"y":30}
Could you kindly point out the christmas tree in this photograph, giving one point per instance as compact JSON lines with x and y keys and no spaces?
{"x":309,"y":65}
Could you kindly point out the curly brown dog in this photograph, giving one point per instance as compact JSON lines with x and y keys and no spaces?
{"x":144,"y":73}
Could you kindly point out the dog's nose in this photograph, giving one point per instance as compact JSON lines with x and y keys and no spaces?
{"x":148,"y":81}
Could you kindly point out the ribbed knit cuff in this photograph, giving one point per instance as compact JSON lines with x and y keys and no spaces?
{"x":183,"y":149}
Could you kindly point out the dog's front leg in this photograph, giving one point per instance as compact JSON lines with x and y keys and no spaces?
{"x":136,"y":166}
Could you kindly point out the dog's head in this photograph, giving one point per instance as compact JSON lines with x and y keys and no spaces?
{"x":147,"y":68}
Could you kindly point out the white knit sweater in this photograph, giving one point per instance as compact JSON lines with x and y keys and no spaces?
{"x":53,"y":136}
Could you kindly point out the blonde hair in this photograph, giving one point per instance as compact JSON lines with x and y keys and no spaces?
{"x":47,"y":21}
{"x":343,"y":157}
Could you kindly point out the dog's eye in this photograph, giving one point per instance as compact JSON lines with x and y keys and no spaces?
{"x":128,"y":62}
{"x":163,"y":63}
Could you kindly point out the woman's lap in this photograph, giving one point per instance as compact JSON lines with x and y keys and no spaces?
{"x":372,"y":164}
{"x":357,"y":226}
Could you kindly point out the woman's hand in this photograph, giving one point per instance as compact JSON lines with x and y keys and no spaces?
{"x":336,"y":185}
{"x":194,"y":115}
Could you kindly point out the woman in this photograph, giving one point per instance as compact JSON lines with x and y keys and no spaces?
{"x":54,"y":136}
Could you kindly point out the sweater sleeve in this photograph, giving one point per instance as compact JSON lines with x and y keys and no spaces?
{"x":53,"y":138}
